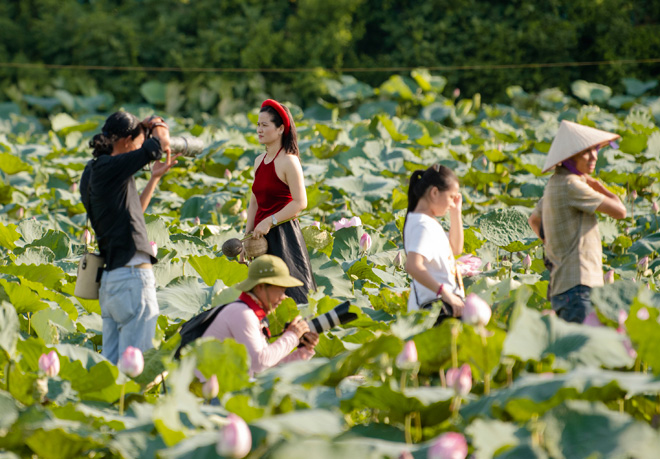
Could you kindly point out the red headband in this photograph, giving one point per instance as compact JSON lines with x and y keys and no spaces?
{"x":280,"y":111}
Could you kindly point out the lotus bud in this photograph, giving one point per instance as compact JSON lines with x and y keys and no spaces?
{"x":211,"y":388}
{"x":131,"y":362}
{"x":398,"y":260}
{"x":406,"y":455}
{"x":235,"y":438}
{"x":227,"y":174}
{"x":456,"y":93}
{"x":633,"y":195}
{"x":154,"y":248}
{"x":592,"y":320}
{"x":614,"y":145}
{"x":50,"y":364}
{"x":623,"y":316}
{"x":74,"y":187}
{"x":527,"y":262}
{"x":20,"y":213}
{"x":643,"y":314}
{"x":243,"y":215}
{"x":655,"y":207}
{"x":365,"y":242}
{"x":643,"y":264}
{"x":197,"y":221}
{"x":609,"y":277}
{"x":317,"y":224}
{"x":488,"y":266}
{"x":460,"y":379}
{"x":476,"y":310}
{"x":355,"y":221}
{"x":499,"y":147}
{"x":407,"y":356}
{"x":484,"y":161}
{"x":451,"y":445}
{"x":86,"y":236}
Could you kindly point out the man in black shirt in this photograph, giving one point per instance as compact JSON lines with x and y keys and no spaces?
{"x":128,"y":289}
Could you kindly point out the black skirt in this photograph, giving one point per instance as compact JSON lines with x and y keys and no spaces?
{"x":286,"y":241}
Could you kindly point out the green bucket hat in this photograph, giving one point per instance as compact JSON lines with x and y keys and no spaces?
{"x":268,"y":269}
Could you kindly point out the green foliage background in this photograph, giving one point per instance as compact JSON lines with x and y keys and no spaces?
{"x":333,"y":35}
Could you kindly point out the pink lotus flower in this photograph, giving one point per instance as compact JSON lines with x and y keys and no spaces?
{"x":197,"y":221}
{"x":154,"y":248}
{"x":450,"y":445}
{"x":643,"y":264}
{"x":20,"y":213}
{"x":131,"y":362}
{"x":643,"y":314}
{"x":476,"y":310}
{"x":365,"y":242}
{"x":633,"y":195}
{"x":50,"y":364}
{"x":227,"y":174}
{"x":592,"y":320}
{"x":527,"y":262}
{"x":235,"y":438}
{"x":86,"y":237}
{"x":317,"y":224}
{"x":655,"y":207}
{"x":468,"y":265}
{"x":460,"y":379}
{"x":609,"y":277}
{"x":243,"y":215}
{"x":74,"y":187}
{"x":347,"y":223}
{"x":488,"y":267}
{"x":623,"y":316}
{"x":211,"y":388}
{"x":408,"y":356}
{"x":456,"y":93}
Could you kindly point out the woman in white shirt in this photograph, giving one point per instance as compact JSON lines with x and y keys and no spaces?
{"x":431,"y":254}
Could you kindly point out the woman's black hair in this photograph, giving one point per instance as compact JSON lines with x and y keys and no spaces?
{"x":438,"y":176}
{"x":118,"y":126}
{"x":290,"y":139}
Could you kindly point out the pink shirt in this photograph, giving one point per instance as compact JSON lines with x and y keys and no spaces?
{"x":239,"y":322}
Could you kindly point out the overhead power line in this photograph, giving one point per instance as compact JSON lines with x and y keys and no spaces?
{"x":443,"y":68}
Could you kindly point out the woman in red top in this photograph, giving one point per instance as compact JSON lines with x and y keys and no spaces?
{"x":278,"y":194}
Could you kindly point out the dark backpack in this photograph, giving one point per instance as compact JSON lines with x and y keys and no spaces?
{"x":196,"y":327}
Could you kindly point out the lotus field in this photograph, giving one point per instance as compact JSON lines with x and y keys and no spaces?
{"x":526,"y":385}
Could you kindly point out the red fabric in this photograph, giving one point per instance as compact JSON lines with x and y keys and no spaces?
{"x":281,"y":111}
{"x":272,"y":194}
{"x":258,"y":311}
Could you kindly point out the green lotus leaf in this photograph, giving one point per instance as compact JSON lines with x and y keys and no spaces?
{"x":507,"y":228}
{"x":591,"y":92}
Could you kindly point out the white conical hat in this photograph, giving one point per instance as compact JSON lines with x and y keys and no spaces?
{"x":572,"y":138}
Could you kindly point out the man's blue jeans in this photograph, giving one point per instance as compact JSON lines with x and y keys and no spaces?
{"x":129,"y":309}
{"x":573,"y":304}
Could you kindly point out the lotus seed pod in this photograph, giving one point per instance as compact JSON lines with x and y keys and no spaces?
{"x":232,"y":248}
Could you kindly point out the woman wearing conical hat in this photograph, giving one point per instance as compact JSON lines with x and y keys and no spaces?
{"x":565,"y":218}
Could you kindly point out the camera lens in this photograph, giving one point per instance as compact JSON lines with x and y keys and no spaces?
{"x":338,"y":316}
{"x":187,"y":146}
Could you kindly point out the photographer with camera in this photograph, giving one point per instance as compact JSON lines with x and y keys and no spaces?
{"x":245,"y":319}
{"x":127,"y":293}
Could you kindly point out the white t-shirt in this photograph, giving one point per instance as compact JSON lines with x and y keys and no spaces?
{"x":425,"y":236}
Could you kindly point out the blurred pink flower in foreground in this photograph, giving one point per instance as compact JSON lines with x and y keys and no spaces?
{"x":643,"y":314}
{"x":407,"y":356}
{"x":131,"y":362}
{"x":450,"y":445}
{"x":469,"y":265}
{"x":592,"y":320}
{"x":609,"y":277}
{"x":476,"y":310}
{"x":154,"y":248}
{"x":347,"y":223}
{"x":460,"y":379}
{"x":317,"y":224}
{"x":50,"y":363}
{"x":211,"y":388}
{"x":527,"y":262}
{"x":235,"y":438}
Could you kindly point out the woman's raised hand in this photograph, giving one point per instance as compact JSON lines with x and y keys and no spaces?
{"x":262,"y":228}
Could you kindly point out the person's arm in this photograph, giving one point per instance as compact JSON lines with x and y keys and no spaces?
{"x":293,"y":177}
{"x":416,"y":267}
{"x":456,"y":236}
{"x":158,"y":169}
{"x":611,"y":205}
{"x":246,"y":330}
{"x":253,"y":205}
{"x":534,"y":221}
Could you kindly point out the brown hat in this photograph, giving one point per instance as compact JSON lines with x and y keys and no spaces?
{"x":572,"y":138}
{"x":268,"y":269}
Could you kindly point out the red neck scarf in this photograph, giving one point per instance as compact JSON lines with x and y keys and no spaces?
{"x":258,"y":311}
